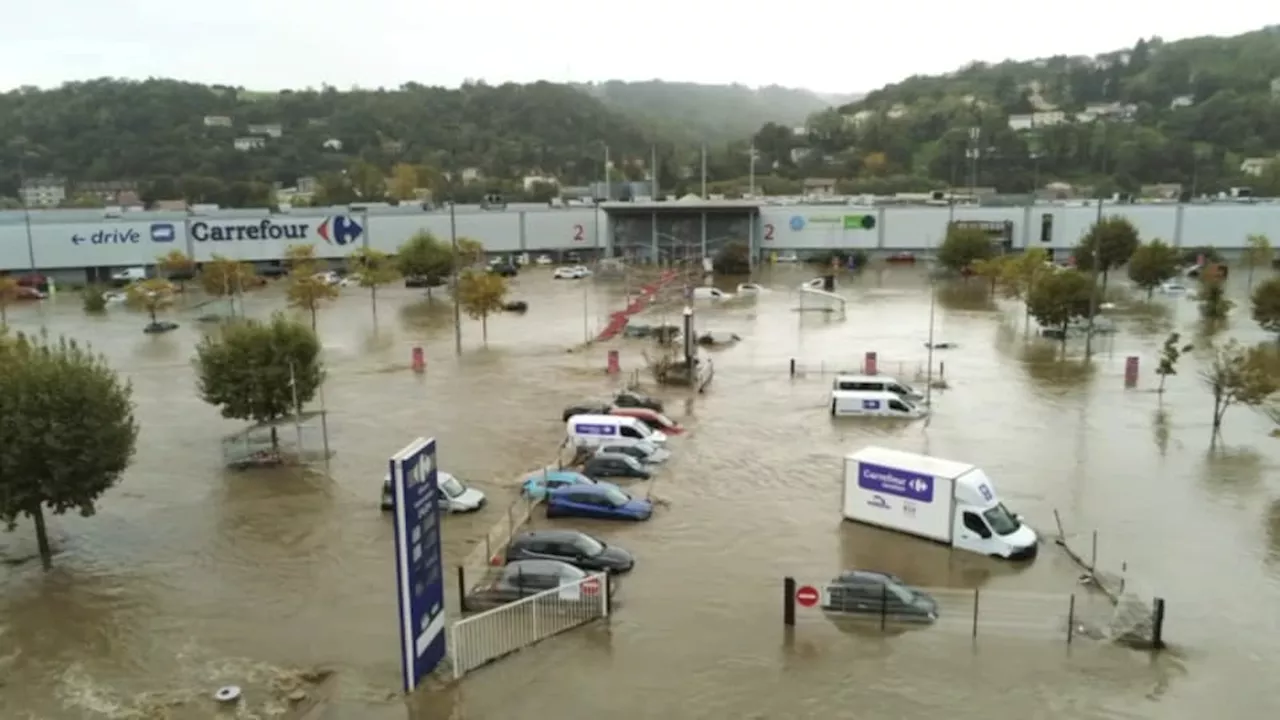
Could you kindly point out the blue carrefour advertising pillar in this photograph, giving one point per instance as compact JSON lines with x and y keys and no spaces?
{"x":419,"y":570}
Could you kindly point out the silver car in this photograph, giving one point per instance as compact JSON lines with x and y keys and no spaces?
{"x":643,"y":451}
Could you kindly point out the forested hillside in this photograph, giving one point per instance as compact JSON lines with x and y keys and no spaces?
{"x":107,"y":130}
{"x":1186,"y":112}
{"x":715,"y":114}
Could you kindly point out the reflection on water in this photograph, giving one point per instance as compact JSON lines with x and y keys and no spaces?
{"x":191,"y":577}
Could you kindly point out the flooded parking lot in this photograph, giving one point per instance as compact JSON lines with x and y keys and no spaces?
{"x":191,"y":576}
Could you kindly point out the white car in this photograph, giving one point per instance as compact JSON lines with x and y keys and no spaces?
{"x":572,"y":272}
{"x":788,"y":258}
{"x":543,"y":260}
{"x":333,"y":278}
{"x":710,"y":293}
{"x":751,"y":289}
{"x":1172,"y":288}
{"x":454,"y":495}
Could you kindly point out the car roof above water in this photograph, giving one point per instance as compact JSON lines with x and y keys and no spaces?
{"x":552,"y":535}
{"x":542,"y":567}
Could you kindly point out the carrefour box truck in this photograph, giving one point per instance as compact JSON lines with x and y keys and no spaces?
{"x":946,"y":501}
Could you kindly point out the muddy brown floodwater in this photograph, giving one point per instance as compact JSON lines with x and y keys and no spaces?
{"x":191,"y":577}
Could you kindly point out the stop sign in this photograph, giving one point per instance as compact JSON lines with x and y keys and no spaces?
{"x":807,"y":595}
{"x":591,"y":586}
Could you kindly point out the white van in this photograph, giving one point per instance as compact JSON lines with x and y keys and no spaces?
{"x":128,"y":275}
{"x":946,"y":501}
{"x":596,"y":430}
{"x":454,"y":497}
{"x":876,"y":383}
{"x":874,"y":403}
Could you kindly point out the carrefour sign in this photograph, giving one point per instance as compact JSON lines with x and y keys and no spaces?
{"x":336,"y":230}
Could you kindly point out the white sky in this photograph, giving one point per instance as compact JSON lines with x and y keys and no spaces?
{"x":826,"y":45}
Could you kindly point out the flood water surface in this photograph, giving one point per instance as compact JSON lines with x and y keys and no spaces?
{"x":192,"y":576}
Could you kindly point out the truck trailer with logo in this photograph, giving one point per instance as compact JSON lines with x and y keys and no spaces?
{"x":950,"y":502}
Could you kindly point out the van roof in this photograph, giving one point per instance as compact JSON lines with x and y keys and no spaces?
{"x":852,"y":377}
{"x":605,"y":419}
{"x":937,"y":467}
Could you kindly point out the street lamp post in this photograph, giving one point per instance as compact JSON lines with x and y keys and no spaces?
{"x":457,"y":307}
{"x":1093,"y":283}
{"x":933,"y":304}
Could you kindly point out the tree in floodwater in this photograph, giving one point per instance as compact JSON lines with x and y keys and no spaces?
{"x":1240,"y":375}
{"x":374,"y":269}
{"x":259,"y":371}
{"x":424,"y":257}
{"x":1170,"y":353}
{"x":68,"y":431}
{"x":1058,"y":298}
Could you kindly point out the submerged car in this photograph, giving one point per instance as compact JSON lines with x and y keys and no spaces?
{"x":654,"y":419}
{"x":586,"y":408}
{"x":601,"y":500}
{"x":644,"y":451}
{"x":536,"y":486}
{"x":454,"y":496}
{"x":615,"y":465}
{"x":570,"y":546}
{"x":573,"y":272}
{"x":865,"y":592}
{"x":524,"y":578}
{"x":632,"y":399}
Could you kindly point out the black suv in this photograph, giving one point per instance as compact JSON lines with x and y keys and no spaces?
{"x":576,"y":548}
{"x":864,"y":592}
{"x":632,"y":399}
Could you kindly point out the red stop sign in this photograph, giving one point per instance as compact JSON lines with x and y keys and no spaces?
{"x":807,"y":595}
{"x":591,"y":586}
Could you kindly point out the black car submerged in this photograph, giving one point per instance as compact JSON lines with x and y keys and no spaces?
{"x":570,"y":546}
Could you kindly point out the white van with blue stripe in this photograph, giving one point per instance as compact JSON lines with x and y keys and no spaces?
{"x":596,"y":430}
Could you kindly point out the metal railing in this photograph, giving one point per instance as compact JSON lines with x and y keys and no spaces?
{"x":1064,"y":617}
{"x":480,"y":639}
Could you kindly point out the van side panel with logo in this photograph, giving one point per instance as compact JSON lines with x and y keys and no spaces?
{"x":898,"y":498}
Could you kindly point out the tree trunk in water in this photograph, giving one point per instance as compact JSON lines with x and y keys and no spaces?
{"x":152,"y":311}
{"x":484,"y":328}
{"x":4,"y":314}
{"x":313,"y":320}
{"x":42,"y":536}
{"x":1249,"y":282}
{"x":373,"y":300}
{"x":275,"y":439}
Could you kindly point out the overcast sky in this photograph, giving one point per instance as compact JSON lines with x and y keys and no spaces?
{"x":826,"y":45}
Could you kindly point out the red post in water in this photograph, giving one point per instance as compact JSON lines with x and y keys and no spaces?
{"x":614,"y":366}
{"x":869,"y":364}
{"x":419,"y":360}
{"x":1131,"y":371}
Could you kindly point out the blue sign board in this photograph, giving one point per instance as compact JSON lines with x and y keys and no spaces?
{"x":163,"y":232}
{"x":595,"y":429}
{"x":870,"y":404}
{"x":893,"y":481}
{"x":419,"y":568}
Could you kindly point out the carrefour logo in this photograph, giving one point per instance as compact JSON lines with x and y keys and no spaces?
{"x":338,"y":229}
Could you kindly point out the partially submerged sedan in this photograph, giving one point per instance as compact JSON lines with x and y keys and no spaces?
{"x":537,"y":485}
{"x":525,"y":578}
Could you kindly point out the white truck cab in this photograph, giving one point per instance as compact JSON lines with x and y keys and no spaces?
{"x":946,"y":501}
{"x":874,"y":396}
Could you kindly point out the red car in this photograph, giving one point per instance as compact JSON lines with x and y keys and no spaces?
{"x":30,"y":293}
{"x":654,"y":419}
{"x":901,"y":257}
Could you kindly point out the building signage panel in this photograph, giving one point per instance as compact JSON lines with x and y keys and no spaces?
{"x":419,"y":565}
{"x":336,"y":230}
{"x":895,"y":481}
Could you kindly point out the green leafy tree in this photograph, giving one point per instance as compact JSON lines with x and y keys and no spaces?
{"x":1239,"y":375}
{"x":151,"y":295}
{"x":1058,"y":298}
{"x":223,"y":277}
{"x":178,"y":267}
{"x":481,"y":294}
{"x":991,"y":270}
{"x":425,"y":256}
{"x":963,"y":247}
{"x":251,"y":369}
{"x":734,"y":258}
{"x":1170,"y":353}
{"x":1111,"y":241}
{"x":1258,"y":253}
{"x":94,"y":299}
{"x":1266,"y":304}
{"x":470,"y":252}
{"x":1214,"y":305}
{"x":9,"y":290}
{"x":309,"y":290}
{"x":69,"y":431}
{"x":374,"y":269}
{"x":1152,"y":264}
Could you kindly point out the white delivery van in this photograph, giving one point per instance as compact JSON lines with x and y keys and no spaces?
{"x":950,"y":502}
{"x":454,"y":497}
{"x":874,"y":403}
{"x":128,"y":275}
{"x":595,"y":430}
{"x":880,"y":383}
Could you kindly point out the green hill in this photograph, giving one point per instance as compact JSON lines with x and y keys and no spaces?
{"x":1187,"y":112}
{"x":714,"y":114}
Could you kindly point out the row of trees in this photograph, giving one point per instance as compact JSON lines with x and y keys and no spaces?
{"x":70,"y":429}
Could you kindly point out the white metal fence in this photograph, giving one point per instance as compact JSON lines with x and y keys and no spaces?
{"x":480,"y":639}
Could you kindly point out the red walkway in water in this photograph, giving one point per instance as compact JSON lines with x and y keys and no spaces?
{"x":618,"y":320}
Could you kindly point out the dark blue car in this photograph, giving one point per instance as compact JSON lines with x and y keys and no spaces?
{"x":601,"y":500}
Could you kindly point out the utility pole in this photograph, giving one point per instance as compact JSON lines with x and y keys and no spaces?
{"x":975,"y":139}
{"x":26,"y":208}
{"x":704,"y":171}
{"x":751,"y":173}
{"x":1093,"y":282}
{"x":457,"y":308}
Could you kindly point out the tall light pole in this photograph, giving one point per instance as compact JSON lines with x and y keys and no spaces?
{"x":457,"y":308}
{"x":1093,"y":282}
{"x":974,"y":152}
{"x":26,"y":207}
{"x":933,"y":303}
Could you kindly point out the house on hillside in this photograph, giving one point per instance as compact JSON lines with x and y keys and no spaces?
{"x":819,"y":187}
